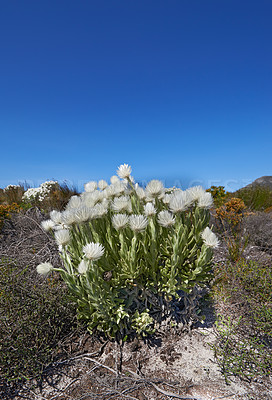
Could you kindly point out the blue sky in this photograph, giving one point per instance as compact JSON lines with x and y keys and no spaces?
{"x":179,"y":89}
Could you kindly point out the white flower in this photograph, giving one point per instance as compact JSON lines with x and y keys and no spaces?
{"x":93,"y":251}
{"x":82,"y":214}
{"x":205,"y":200}
{"x":124,"y":171}
{"x":68,"y":217}
{"x":102,"y":184}
{"x":74,"y":202}
{"x":140,"y":192}
{"x":166,"y":198}
{"x":114,"y":179}
{"x":12,"y":187}
{"x":179,"y":201}
{"x":90,"y":186}
{"x":149,"y":209}
{"x":120,"y":221}
{"x":99,"y":210}
{"x":165,"y":218}
{"x":138,"y":223}
{"x":62,"y":237}
{"x":121,"y":204}
{"x":48,"y":225}
{"x":196,"y":192}
{"x":83,"y":267}
{"x":56,"y":216}
{"x":154,"y":189}
{"x":89,"y":198}
{"x":44,"y":268}
{"x":119,"y":187}
{"x":209,"y":238}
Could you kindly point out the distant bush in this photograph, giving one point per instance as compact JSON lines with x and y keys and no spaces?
{"x":11,"y":194}
{"x":256,"y":197}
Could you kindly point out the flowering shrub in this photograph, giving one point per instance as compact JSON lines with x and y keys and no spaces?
{"x":127,"y":250}
{"x":41,"y":193}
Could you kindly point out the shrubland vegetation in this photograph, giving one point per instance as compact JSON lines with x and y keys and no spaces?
{"x":127,"y":266}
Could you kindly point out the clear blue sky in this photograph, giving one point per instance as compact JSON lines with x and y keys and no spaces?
{"x":179,"y":89}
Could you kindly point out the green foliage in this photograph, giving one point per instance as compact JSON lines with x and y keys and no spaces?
{"x":35,"y":316}
{"x":239,"y":354}
{"x":244,"y":342}
{"x":256,"y":197}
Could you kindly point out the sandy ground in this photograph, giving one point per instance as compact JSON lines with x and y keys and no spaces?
{"x":184,"y":361}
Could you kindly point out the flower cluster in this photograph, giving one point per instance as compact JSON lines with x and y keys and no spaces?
{"x":116,"y":236}
{"x":41,"y":193}
{"x":12,"y":187}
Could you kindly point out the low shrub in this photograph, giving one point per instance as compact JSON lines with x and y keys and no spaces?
{"x":35,"y":316}
{"x":11,"y":194}
{"x":244,"y":340}
{"x":229,"y":218}
{"x":7,"y":210}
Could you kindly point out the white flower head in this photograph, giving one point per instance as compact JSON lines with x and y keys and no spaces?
{"x":88,"y":198}
{"x":82,"y":214}
{"x":56,"y":216}
{"x":120,"y":221}
{"x":205,"y":200}
{"x":48,"y":225}
{"x":166,"y":198}
{"x":99,"y":210}
{"x":149,"y":209}
{"x":166,"y":219}
{"x":102,"y":184}
{"x":74,"y":202}
{"x":140,"y":192}
{"x":154,"y":189}
{"x":83,"y":267}
{"x":179,"y":201}
{"x":124,"y":171}
{"x":196,"y":192}
{"x":93,"y":251}
{"x":62,"y":237}
{"x":68,"y":217}
{"x":209,"y":238}
{"x":44,"y":268}
{"x":120,"y":187}
{"x":114,"y":179}
{"x":90,"y":186}
{"x":138,"y":223}
{"x":122,"y":203}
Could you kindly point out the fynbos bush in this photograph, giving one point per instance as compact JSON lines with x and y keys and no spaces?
{"x":127,"y":250}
